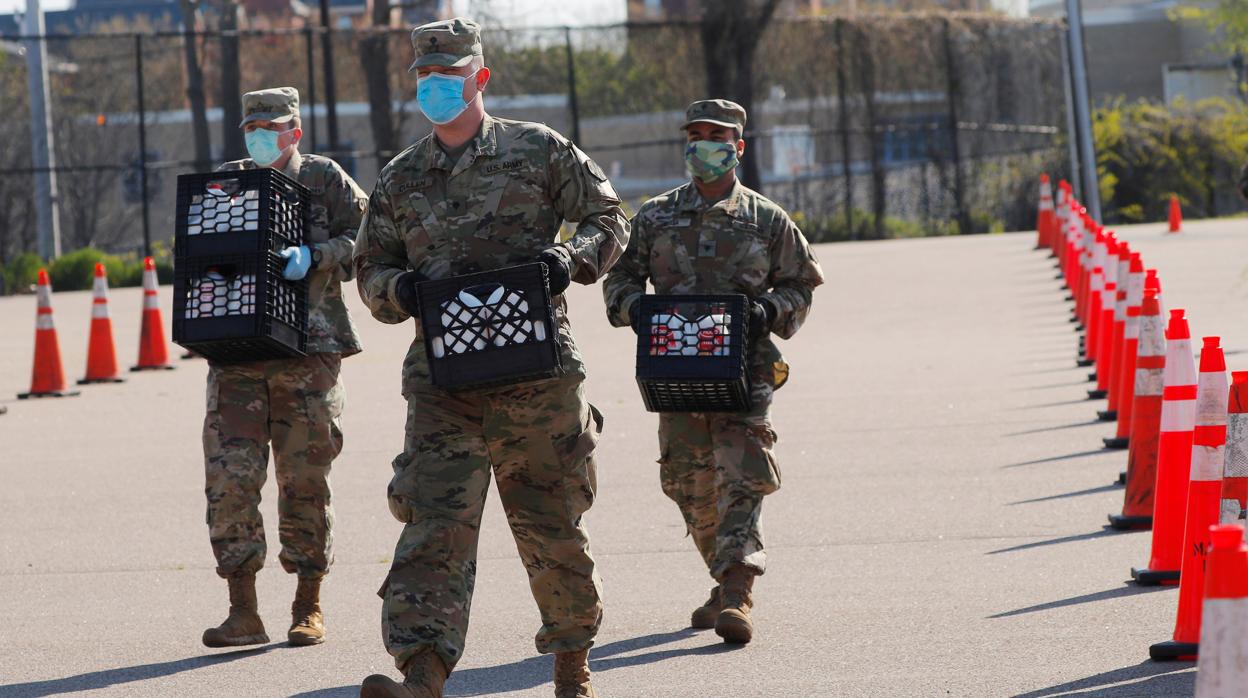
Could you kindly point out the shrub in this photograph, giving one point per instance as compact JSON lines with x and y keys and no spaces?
{"x":21,"y":272}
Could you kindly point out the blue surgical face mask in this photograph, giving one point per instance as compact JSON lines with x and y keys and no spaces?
{"x":262,"y":145}
{"x":710,"y":160}
{"x":441,"y":97}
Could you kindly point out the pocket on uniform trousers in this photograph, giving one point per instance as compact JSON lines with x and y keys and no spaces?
{"x":577,"y":454}
{"x":402,"y":484}
{"x":761,"y":470}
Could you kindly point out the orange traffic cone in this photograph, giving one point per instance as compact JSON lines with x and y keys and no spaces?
{"x":1176,"y":215}
{"x":1044,"y":218}
{"x":1057,"y":233}
{"x":1174,"y":457}
{"x":1235,"y":468}
{"x":153,"y":351}
{"x":1150,"y":363}
{"x":1202,"y":501}
{"x":101,"y":352}
{"x":1223,"y":668}
{"x":1130,"y":353}
{"x":1115,"y":334}
{"x":47,"y":377}
{"x":1092,"y":319}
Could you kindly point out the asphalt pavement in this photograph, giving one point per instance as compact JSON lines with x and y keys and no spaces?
{"x":939,"y":531}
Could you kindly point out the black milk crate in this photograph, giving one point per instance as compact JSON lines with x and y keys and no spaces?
{"x":239,"y":211}
{"x":490,"y":328}
{"x":691,"y":353}
{"x":235,"y":308}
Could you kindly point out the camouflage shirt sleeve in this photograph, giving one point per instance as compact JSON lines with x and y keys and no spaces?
{"x":380,"y":257}
{"x":626,"y":281}
{"x":794,"y":275}
{"x":346,"y":202}
{"x":581,"y":194}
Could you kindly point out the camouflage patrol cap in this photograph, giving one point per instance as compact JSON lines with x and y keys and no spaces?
{"x":280,"y":104}
{"x":720,"y":112}
{"x":452,"y":43}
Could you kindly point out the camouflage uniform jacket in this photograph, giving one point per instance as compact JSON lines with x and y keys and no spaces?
{"x":501,"y":204}
{"x":337,"y":206}
{"x":744,"y":244}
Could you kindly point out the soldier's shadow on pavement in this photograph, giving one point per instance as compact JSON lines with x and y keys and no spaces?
{"x":109,"y":678}
{"x":536,"y":671}
{"x":1169,"y":679}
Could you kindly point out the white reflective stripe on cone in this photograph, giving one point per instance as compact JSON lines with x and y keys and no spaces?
{"x":1152,"y":337}
{"x":151,"y":301}
{"x":43,"y":321}
{"x":1236,"y":458}
{"x":149,"y":280}
{"x":1178,"y":415}
{"x":1207,"y":463}
{"x":1149,"y":382}
{"x":1180,"y":366}
{"x":43,"y":296}
{"x":1222,"y":667}
{"x":99,"y":311}
{"x":1212,"y":396}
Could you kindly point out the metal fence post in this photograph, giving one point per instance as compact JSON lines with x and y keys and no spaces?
{"x":138,"y":80}
{"x":331,"y":101}
{"x":42,"y":143}
{"x":843,"y":124}
{"x":953,"y":94}
{"x":1072,"y":136}
{"x":1083,"y":117}
{"x":572,"y":103}
{"x":307,"y":37}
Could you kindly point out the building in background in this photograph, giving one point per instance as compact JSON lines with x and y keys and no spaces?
{"x":1161,"y":59}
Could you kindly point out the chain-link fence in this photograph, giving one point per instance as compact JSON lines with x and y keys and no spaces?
{"x":873,"y":127}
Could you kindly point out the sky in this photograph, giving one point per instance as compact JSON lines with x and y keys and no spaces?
{"x":516,"y":13}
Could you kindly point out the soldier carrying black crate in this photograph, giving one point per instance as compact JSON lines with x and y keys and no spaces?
{"x":714,"y":235}
{"x":481,"y":194}
{"x":292,"y":404}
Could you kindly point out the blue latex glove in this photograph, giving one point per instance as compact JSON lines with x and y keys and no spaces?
{"x":298,"y":262}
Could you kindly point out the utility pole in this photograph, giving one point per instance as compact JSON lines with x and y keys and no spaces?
{"x":331,"y":100}
{"x":1083,"y":113}
{"x":42,"y":145}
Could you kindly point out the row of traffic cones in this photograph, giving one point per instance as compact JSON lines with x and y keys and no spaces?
{"x":1186,"y":432}
{"x":47,"y":374}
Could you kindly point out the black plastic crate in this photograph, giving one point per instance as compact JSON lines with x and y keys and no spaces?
{"x":234,"y":308}
{"x":239,"y":211}
{"x":691,"y":353}
{"x":491,"y":328}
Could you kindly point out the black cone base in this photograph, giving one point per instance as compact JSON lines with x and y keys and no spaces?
{"x":89,"y":381}
{"x":1097,"y":394}
{"x":1107,"y":415}
{"x":1122,"y":478}
{"x":165,"y":367}
{"x":54,"y":393}
{"x":1116,"y":442}
{"x":1118,"y":522}
{"x":1170,"y":651}
{"x":1084,"y":362}
{"x":1151,"y":578}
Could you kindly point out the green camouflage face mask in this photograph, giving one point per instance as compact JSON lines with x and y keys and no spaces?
{"x":709,"y":160}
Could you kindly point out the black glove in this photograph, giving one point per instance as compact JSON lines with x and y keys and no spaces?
{"x":558,"y":271}
{"x":762,"y":313}
{"x":633,"y":316}
{"x":405,"y":292}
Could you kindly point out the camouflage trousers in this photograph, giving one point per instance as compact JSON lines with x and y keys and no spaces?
{"x":538,"y":439}
{"x":717,"y":467}
{"x":294,"y":405}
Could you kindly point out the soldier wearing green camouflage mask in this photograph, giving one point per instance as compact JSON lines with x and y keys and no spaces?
{"x":482,"y":193}
{"x":291,"y":405}
{"x":714,"y":235}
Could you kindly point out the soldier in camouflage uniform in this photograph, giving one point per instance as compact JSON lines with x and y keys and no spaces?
{"x":714,"y":235}
{"x":482,"y":193}
{"x":292,"y":404}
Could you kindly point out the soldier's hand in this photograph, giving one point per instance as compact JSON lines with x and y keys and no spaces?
{"x":558,"y":270}
{"x":298,"y":262}
{"x":405,"y":292}
{"x":762,"y":313}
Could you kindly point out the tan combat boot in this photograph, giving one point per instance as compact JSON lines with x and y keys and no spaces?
{"x":572,"y":675}
{"x":307,"y":625}
{"x":243,"y":626}
{"x":704,"y":616}
{"x":423,"y":677}
{"x":733,"y":623}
